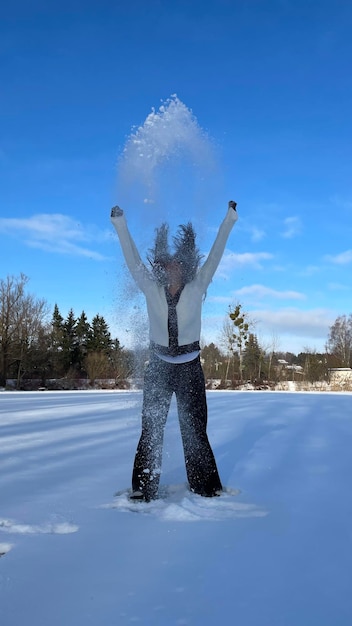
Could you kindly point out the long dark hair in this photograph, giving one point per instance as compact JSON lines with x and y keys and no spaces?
{"x":186,"y":253}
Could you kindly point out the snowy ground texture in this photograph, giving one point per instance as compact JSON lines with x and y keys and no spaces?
{"x":279,"y":553}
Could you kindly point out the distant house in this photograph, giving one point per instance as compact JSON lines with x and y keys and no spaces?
{"x":295,"y":368}
{"x":283,"y":365}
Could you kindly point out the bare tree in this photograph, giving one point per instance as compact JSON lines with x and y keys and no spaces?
{"x":227,"y":342}
{"x":339,"y":341}
{"x":21,"y":318}
{"x":274,"y":346}
{"x":29,"y":326}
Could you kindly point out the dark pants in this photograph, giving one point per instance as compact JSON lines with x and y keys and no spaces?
{"x":186,"y":380}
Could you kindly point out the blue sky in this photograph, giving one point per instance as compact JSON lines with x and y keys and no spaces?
{"x":271,"y":84}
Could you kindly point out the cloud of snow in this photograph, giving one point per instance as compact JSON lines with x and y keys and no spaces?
{"x":168,"y":171}
{"x":165,"y":173}
{"x":172,"y":131}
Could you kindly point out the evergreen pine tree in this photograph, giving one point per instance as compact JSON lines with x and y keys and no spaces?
{"x":56,"y":344}
{"x":70,"y":343}
{"x":83,"y":333}
{"x":100,"y":337}
{"x":252,"y":358}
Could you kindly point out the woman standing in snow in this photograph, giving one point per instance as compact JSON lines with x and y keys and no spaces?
{"x":174,"y":290}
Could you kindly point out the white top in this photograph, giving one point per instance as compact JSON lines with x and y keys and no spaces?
{"x":189,"y":306}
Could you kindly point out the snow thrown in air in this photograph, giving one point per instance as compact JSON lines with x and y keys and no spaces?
{"x":172,"y":132}
{"x":168,"y":171}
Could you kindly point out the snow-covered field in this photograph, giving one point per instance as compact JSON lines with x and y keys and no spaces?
{"x":279,"y":553}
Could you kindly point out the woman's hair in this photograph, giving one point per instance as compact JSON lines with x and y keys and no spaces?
{"x":186,"y":253}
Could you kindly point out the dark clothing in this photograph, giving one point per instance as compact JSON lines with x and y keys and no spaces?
{"x":172,"y":323}
{"x":186,"y":380}
{"x":180,"y":350}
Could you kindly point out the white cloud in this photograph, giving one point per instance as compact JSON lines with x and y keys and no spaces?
{"x":53,"y":233}
{"x":260,"y":291}
{"x":340,"y":259}
{"x":257,"y":234}
{"x":313,"y":323}
{"x":292,"y":330}
{"x":310,"y":270}
{"x":341,"y":203}
{"x":231,"y":261}
{"x":293,"y":227}
{"x":338,"y":287}
{"x":228,"y":299}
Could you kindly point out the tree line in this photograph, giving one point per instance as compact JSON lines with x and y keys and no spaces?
{"x":35,"y":346}
{"x":244,"y":358}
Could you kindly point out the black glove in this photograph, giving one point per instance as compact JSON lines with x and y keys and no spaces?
{"x":232,"y":205}
{"x":116,"y":211}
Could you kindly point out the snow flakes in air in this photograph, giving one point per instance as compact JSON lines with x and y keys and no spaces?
{"x":169,"y":132}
